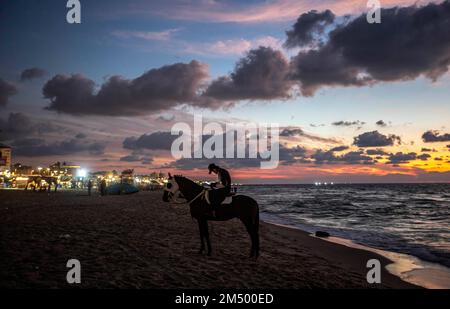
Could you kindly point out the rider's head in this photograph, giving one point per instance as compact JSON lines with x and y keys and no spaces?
{"x":213,"y":168}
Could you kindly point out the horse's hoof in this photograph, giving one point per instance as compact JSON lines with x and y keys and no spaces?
{"x":208,"y":254}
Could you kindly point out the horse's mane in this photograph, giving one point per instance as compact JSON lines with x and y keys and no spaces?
{"x":181,"y":177}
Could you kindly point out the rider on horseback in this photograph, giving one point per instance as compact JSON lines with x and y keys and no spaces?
{"x":222,"y":188}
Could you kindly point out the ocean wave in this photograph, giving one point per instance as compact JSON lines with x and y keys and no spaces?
{"x":405,"y":218}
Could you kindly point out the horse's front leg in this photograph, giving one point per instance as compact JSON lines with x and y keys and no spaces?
{"x":206,"y":235}
{"x":202,"y":243}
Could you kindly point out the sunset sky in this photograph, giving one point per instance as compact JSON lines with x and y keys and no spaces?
{"x":356,"y":102}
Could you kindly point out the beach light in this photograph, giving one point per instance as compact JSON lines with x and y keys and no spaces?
{"x":81,"y":173}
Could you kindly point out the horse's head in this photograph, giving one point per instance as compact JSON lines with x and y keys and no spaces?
{"x":171,"y":189}
{"x":180,"y":187}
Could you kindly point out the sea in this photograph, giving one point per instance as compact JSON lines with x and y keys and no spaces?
{"x":411,"y":219}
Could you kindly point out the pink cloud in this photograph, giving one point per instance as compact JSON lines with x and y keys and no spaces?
{"x":277,"y":10}
{"x":165,"y":35}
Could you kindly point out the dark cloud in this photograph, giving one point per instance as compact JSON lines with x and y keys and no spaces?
{"x":375,"y":139}
{"x":147,"y":160}
{"x":348,"y":123}
{"x":434,"y":136}
{"x":423,"y":156}
{"x":18,"y":125}
{"x":81,"y":135}
{"x":353,"y":157}
{"x":32,"y":73}
{"x":261,"y":75}
{"x":290,"y":132}
{"x":288,"y":156}
{"x":410,"y":42}
{"x":381,"y":123}
{"x":339,"y":148}
{"x":130,"y":158}
{"x":428,"y":150}
{"x":25,"y":135}
{"x":6,"y":90}
{"x":202,"y":163}
{"x":376,"y":152}
{"x":156,"y":90}
{"x":318,"y":68}
{"x":153,"y":141}
{"x":401,"y":157}
{"x":292,"y":155}
{"x":308,"y":28}
{"x":298,"y":132}
{"x":163,"y":141}
{"x":34,"y":147}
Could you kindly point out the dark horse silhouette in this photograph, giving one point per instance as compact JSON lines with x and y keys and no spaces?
{"x":35,"y":182}
{"x":243,"y":207}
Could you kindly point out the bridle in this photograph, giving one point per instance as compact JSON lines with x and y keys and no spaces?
{"x":172,"y":189}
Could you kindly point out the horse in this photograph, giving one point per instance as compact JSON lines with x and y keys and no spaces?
{"x":35,"y":182}
{"x":242,"y":207}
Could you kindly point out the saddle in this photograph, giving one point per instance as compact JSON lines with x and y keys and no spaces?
{"x":228,"y":200}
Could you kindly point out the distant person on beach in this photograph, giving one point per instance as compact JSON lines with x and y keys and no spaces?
{"x":89,"y":185}
{"x":222,"y":187}
{"x":103,"y":187}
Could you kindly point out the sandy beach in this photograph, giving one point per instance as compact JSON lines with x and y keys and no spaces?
{"x":138,"y":241}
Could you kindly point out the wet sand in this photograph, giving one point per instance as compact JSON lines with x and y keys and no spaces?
{"x":138,"y":241}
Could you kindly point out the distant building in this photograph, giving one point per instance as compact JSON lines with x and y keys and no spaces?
{"x":5,"y":158}
{"x":19,"y":169}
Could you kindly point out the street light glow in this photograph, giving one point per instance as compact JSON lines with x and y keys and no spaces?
{"x":82,"y":173}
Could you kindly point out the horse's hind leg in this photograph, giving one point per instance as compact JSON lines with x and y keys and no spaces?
{"x":256,"y":238}
{"x":251,"y":232}
{"x":206,"y":235}
{"x":202,"y":243}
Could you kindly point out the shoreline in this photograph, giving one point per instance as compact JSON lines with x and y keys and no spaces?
{"x":407,"y":267}
{"x":138,"y":241}
{"x":353,"y":257}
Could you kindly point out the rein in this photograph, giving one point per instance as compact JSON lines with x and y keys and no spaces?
{"x":198,"y":195}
